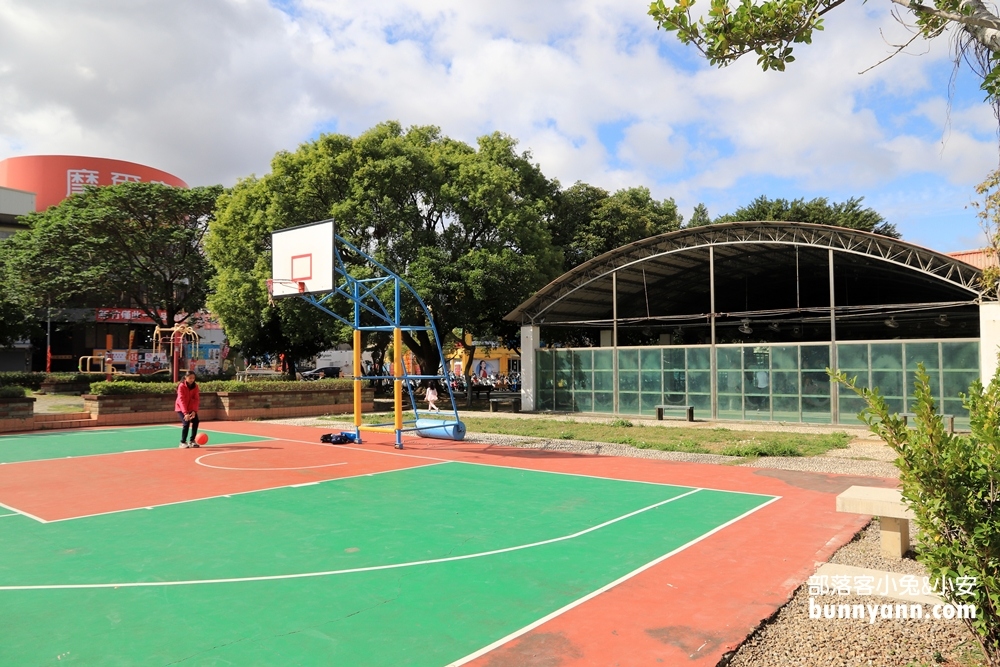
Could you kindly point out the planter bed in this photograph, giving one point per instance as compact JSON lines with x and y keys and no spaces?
{"x":224,"y":406}
{"x":17,"y":414}
{"x":74,"y":388}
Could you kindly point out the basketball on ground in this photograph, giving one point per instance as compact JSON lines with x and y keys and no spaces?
{"x":202,"y":439}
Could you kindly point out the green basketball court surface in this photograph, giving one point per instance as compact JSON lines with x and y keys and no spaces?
{"x":120,"y":549}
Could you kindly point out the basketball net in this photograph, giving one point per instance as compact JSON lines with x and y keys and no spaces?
{"x":299,"y":286}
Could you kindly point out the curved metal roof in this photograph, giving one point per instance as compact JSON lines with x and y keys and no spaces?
{"x":668,"y":269}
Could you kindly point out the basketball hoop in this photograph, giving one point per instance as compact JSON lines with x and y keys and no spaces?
{"x":297,"y":285}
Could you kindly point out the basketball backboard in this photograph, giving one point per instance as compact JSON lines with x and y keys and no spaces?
{"x":302,"y":259}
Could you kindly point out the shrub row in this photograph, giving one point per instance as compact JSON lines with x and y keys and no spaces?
{"x":11,"y":392}
{"x":35,"y":380}
{"x":123,"y":387}
{"x":160,"y":378}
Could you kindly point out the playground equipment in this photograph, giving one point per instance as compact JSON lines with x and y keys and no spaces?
{"x":104,"y":365}
{"x":176,"y":337}
{"x":307,"y":262}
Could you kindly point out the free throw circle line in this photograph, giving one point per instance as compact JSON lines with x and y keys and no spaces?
{"x":353,"y":570}
{"x":256,"y":449}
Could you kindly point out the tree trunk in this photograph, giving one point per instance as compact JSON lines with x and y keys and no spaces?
{"x":471,"y":351}
{"x":290,"y":367}
{"x":379,"y":345}
{"x":425,"y":350}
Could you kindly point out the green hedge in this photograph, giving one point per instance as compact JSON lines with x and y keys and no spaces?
{"x":35,"y":380}
{"x":11,"y":392}
{"x":123,"y":387}
{"x":161,"y":378}
{"x":20,"y":379}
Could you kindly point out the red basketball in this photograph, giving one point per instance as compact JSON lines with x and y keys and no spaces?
{"x":202,"y":439}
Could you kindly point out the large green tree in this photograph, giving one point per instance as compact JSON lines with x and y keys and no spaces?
{"x":134,"y":243}
{"x":818,"y":211}
{"x":16,"y":321}
{"x":467,"y":227}
{"x":770,"y":29}
{"x":589,"y":221}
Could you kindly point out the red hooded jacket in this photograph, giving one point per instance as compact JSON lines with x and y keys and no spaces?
{"x":188,"y":398}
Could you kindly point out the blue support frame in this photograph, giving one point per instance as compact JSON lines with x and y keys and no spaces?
{"x":363,"y":295}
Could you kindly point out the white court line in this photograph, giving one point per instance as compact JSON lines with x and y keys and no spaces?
{"x":224,"y":495}
{"x":86,"y":429}
{"x":11,"y":514}
{"x":548,"y":472}
{"x":576,"y":603}
{"x":22,"y":513}
{"x":127,"y":451}
{"x":208,"y":465}
{"x":372,"y":568}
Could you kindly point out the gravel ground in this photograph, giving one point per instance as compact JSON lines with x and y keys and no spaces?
{"x":866,"y":551}
{"x":839,"y":465}
{"x":865,"y":455}
{"x":792,"y":638}
{"x":599,"y":448}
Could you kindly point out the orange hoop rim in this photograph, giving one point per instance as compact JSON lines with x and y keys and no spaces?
{"x":300,"y":285}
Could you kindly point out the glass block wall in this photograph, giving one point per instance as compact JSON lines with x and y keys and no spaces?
{"x":754,"y":382}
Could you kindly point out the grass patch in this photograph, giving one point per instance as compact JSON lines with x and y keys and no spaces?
{"x":666,"y":439}
{"x":757,"y":448}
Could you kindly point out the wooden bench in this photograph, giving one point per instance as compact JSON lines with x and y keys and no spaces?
{"x":689,"y":410}
{"x":948,"y":419}
{"x":515,"y":403}
{"x":888,"y":506}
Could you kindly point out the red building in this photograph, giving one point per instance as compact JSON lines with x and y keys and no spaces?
{"x":81,"y":331}
{"x":52,"y":178}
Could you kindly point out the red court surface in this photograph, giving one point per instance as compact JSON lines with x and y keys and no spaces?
{"x":68,"y":488}
{"x":691,"y":608}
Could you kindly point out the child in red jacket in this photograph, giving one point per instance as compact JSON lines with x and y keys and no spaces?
{"x":187,"y":404}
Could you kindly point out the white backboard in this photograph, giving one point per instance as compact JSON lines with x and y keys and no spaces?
{"x":302,"y":255}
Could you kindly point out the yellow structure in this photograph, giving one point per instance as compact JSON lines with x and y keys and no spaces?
{"x":488,"y":359}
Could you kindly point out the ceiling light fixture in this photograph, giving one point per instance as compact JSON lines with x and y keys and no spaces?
{"x":745,"y":327}
{"x":942,"y":321}
{"x":892,"y":323}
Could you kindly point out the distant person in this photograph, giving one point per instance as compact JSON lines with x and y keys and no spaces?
{"x":187,"y":404}
{"x":432,"y":397}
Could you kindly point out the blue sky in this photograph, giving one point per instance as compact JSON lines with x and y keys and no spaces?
{"x":210,"y":89}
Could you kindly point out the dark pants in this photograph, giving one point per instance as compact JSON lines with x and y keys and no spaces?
{"x":193,"y":424}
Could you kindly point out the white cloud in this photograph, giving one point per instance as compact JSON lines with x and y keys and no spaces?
{"x":210,"y":89}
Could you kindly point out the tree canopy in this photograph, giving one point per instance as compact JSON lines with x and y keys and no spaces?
{"x":820,"y":211}
{"x":467,"y":227}
{"x":134,"y":242}
{"x":589,"y":222}
{"x":771,"y":28}
{"x":16,"y":321}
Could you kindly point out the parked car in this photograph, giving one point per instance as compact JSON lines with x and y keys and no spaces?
{"x":323,"y":372}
